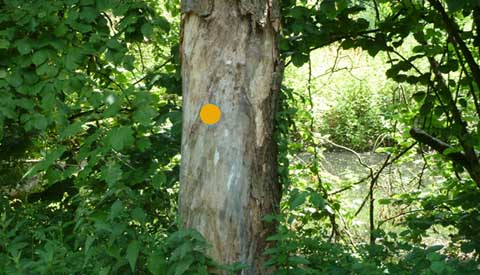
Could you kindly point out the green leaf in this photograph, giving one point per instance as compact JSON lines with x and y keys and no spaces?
{"x":298,"y":59}
{"x":143,"y":144}
{"x":48,"y":102}
{"x":49,"y":70}
{"x":452,"y":150}
{"x":133,"y":250}
{"x":384,"y":201}
{"x":116,"y":209}
{"x":88,"y":243}
{"x":39,"y":122}
{"x":114,"y":44}
{"x":120,"y":137}
{"x":144,"y":115}
{"x":467,"y":247}
{"x":156,"y":264}
{"x":159,"y":180}
{"x":50,"y":158}
{"x":104,"y":270}
{"x":88,"y":14}
{"x":39,"y":57}
{"x":71,"y":130}
{"x":60,"y":30}
{"x":163,"y":23}
{"x":455,"y":5}
{"x":73,"y":59}
{"x":317,"y":200}
{"x":297,"y":260}
{"x":112,"y":173}
{"x":183,"y":265}
{"x":298,"y":200}
{"x":139,"y":215}
{"x":463,"y":102}
{"x":438,"y":267}
{"x":147,"y":29}
{"x":103,"y":5}
{"x":128,"y":62}
{"x":420,"y":96}
{"x":4,"y":44}
{"x":327,"y":7}
{"x":23,"y":46}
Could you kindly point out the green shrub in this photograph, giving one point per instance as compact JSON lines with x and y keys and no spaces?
{"x":354,"y":120}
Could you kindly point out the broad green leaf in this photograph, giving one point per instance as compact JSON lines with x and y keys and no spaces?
{"x":147,"y":29}
{"x":15,"y":79}
{"x":49,"y":70}
{"x":23,"y":46}
{"x":159,"y":180}
{"x":156,"y":264}
{"x":4,"y":44}
{"x":419,"y":96}
{"x":39,"y":57}
{"x":139,"y":215}
{"x":73,"y":59}
{"x":71,"y":130}
{"x":384,"y":201}
{"x":128,"y":62}
{"x":163,"y":23}
{"x":455,"y":5}
{"x":143,"y":144}
{"x":183,"y":265}
{"x":60,"y":30}
{"x":317,"y":200}
{"x":104,"y":4}
{"x":144,"y":115}
{"x":116,"y":209}
{"x":88,"y":14}
{"x":104,"y":270}
{"x":298,"y":200}
{"x":39,"y":122}
{"x":133,"y":250}
{"x":298,"y":59}
{"x":437,"y":267}
{"x":88,"y":243}
{"x":298,"y":260}
{"x":120,"y":137}
{"x":111,"y":173}
{"x":468,"y":247}
{"x":48,"y":102}
{"x":49,"y":159}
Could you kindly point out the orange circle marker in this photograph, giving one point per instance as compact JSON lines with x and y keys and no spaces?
{"x":210,"y":114}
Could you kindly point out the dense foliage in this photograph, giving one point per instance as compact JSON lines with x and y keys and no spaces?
{"x":90,"y":127}
{"x":90,"y":136}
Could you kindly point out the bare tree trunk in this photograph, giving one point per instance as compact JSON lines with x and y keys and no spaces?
{"x":228,"y":170}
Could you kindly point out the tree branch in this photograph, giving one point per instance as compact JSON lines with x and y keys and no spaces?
{"x":452,"y":28}
{"x":438,"y":145}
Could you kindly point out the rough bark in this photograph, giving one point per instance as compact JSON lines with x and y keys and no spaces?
{"x":228,"y":170}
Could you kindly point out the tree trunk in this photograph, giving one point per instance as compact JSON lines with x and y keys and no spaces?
{"x":228,"y":170}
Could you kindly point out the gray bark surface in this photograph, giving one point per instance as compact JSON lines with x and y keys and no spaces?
{"x":228,"y":170}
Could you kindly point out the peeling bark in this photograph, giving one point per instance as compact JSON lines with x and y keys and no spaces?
{"x":228,"y":170}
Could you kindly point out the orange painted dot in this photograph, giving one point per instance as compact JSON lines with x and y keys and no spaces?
{"x":210,"y":114}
